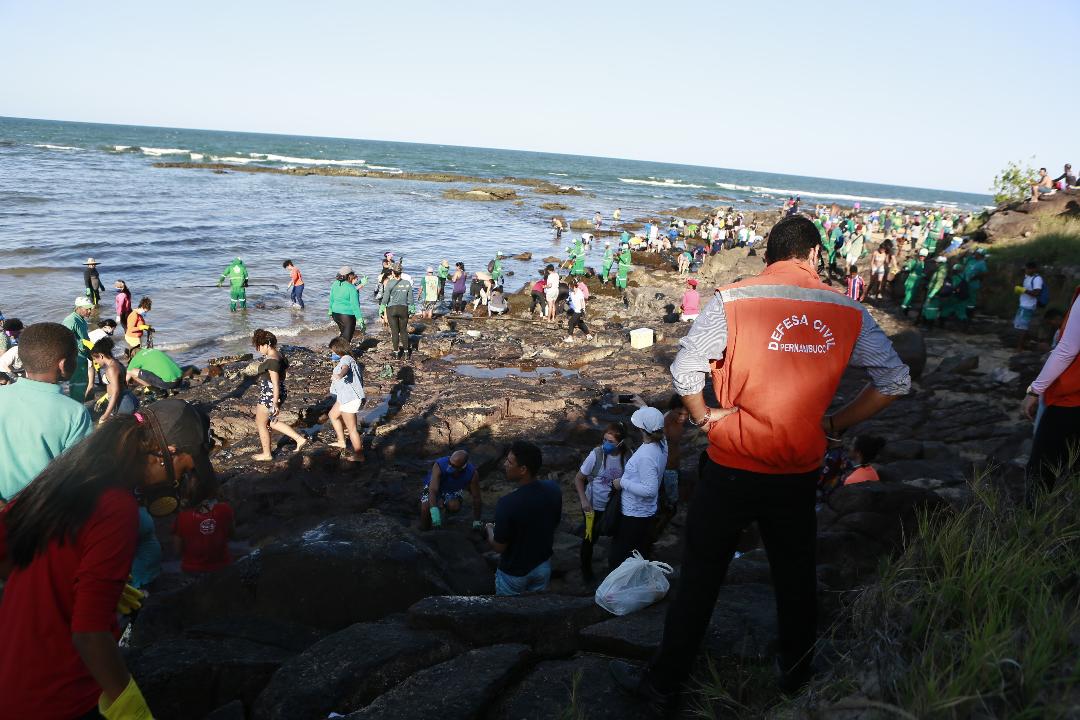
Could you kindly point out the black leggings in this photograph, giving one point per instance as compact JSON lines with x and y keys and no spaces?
{"x":346,"y":325}
{"x":587,"y":545}
{"x":576,"y":320}
{"x":398,"y":317}
{"x":634,"y":533}
{"x":1058,"y":428}
{"x":538,"y":300}
{"x":457,"y":301}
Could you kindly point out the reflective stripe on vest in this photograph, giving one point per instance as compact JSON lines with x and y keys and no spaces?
{"x":789,"y":341}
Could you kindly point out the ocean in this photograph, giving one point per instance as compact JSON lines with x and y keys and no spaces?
{"x":72,"y":190}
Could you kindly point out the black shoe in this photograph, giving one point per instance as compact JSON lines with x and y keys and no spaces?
{"x":400,"y":354}
{"x":632,"y":680}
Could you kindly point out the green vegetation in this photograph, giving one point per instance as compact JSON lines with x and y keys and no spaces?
{"x":1014,"y":182}
{"x":979,"y":617}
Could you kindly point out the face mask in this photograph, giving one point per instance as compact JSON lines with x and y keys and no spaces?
{"x":609,"y":447}
{"x":334,"y":356}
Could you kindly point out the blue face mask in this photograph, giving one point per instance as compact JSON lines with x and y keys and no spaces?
{"x":334,"y":356}
{"x":609,"y":447}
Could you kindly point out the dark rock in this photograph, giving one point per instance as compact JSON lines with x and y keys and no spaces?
{"x":745,"y":570}
{"x":230,"y":711}
{"x":458,"y":689}
{"x":1008,"y":224}
{"x":465,"y":569}
{"x":290,"y":637}
{"x":958,"y":364}
{"x":902,"y":449}
{"x":347,"y":670}
{"x":911,"y":348}
{"x":525,"y":256}
{"x":580,"y":687}
{"x":743,"y":625}
{"x":548,"y":622}
{"x":947,"y":472}
{"x":188,"y":678}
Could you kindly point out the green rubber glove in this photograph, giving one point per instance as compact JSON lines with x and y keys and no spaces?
{"x":130,"y":705}
{"x":477,"y":525}
{"x":436,"y":517}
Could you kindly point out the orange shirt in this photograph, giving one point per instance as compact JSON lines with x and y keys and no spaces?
{"x":863,"y":473}
{"x":295,"y":277}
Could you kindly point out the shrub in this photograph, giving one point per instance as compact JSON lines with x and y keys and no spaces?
{"x":1014,"y":182}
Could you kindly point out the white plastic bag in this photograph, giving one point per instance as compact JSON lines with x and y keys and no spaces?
{"x":636,"y":584}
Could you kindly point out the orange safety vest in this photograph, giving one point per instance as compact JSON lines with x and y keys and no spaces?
{"x":790,"y":337}
{"x":1065,"y":391}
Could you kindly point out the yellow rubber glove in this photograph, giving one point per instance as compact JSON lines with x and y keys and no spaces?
{"x":130,"y":600}
{"x":1019,"y":289}
{"x":589,"y":517}
{"x":129,"y":706}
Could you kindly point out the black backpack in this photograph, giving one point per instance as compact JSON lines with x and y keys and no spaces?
{"x":491,"y":266}
{"x":962,"y":290}
{"x":947,"y":289}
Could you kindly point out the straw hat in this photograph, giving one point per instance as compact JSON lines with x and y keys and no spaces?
{"x":91,"y":261}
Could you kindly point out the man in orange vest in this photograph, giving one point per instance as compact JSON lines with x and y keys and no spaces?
{"x":775,"y":346}
{"x":1058,"y":385}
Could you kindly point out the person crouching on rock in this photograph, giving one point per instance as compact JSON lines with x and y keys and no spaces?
{"x":594,"y":482}
{"x":525,"y":520}
{"x":349,"y":395}
{"x":446,"y":482}
{"x":272,"y":372}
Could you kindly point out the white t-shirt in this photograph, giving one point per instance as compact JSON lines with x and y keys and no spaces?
{"x":552,"y":286}
{"x":640,"y":481}
{"x":598,"y":491}
{"x":1033,"y":283}
{"x":9,"y":361}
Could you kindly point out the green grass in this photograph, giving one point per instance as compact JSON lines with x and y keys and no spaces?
{"x":978,"y":617}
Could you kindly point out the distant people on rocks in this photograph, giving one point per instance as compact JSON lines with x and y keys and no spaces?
{"x":457,"y":292}
{"x":525,"y":522}
{"x":915,"y":269}
{"x":296,"y":284}
{"x":856,"y":286}
{"x":863,"y":452}
{"x":640,"y":488}
{"x":398,"y":294}
{"x":37,"y":422}
{"x":594,"y":483}
{"x":444,"y":274}
{"x":605,"y":264}
{"x":446,"y":482}
{"x":577,"y":309}
{"x":1044,"y":186}
{"x":1066,"y":179}
{"x":1057,"y":388}
{"x":9,"y":337}
{"x":539,"y":299}
{"x":498,"y":304}
{"x":931,"y":309}
{"x":427,"y":294}
{"x":345,"y":303}
{"x":272,"y":372}
{"x":348,"y":390}
{"x":92,"y":281}
{"x":765,"y":448}
{"x":974,"y":270}
{"x":495,"y":269}
{"x":691,"y":302}
{"x":551,"y":291}
{"x":1031,"y":292}
{"x":558,"y":226}
{"x":879,"y":266}
{"x":237,"y":275}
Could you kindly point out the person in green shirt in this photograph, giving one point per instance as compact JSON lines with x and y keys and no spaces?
{"x":931,"y":310}
{"x":956,"y":304}
{"x":495,"y":268}
{"x":974,"y":269}
{"x":577,"y":257}
{"x":915,"y":269}
{"x":237,"y":275}
{"x":605,"y":266}
{"x":621,"y":278}
{"x":444,"y":275}
{"x":152,"y":368}
{"x":345,"y":303}
{"x":37,"y":422}
{"x":81,"y":385}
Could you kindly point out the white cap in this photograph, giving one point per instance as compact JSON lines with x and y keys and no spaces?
{"x":83,"y":302}
{"x":648,"y":419}
{"x":923,"y":252}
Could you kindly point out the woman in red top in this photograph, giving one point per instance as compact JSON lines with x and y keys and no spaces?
{"x":66,"y":547}
{"x":203,"y":529}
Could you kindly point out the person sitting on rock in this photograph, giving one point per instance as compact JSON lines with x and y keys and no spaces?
{"x":1045,"y":185}
{"x":691,"y":302}
{"x":864,"y":452}
{"x":202,"y":530}
{"x":446,"y":481}
{"x":525,"y":521}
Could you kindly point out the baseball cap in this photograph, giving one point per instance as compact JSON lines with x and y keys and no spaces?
{"x":83,"y":302}
{"x":187,"y":428}
{"x":648,"y":419}
{"x":924,"y":252}
{"x":692,"y":282}
{"x":430,"y":269}
{"x":345,"y":270}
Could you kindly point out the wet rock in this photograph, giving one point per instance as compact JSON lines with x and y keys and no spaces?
{"x":946,"y":471}
{"x":458,"y":689}
{"x":911,"y":348}
{"x":582,"y":683}
{"x":548,"y":622}
{"x":743,"y":625}
{"x":958,"y":364}
{"x":488,"y":194}
{"x":347,"y":670}
{"x":229,"y":711}
{"x":553,"y":206}
{"x":525,"y":256}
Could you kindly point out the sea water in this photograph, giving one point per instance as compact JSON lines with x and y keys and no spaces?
{"x":69,"y":191}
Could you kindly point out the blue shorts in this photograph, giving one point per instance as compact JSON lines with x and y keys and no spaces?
{"x":458,"y":495}
{"x":1043,"y":190}
{"x":1022,"y":321}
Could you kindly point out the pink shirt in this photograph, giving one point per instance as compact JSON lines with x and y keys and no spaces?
{"x":691,"y":302}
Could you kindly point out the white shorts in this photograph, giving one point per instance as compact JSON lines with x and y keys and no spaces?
{"x":551,"y":295}
{"x":352,"y":407}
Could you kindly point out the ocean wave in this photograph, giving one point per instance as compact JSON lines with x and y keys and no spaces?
{"x":46,"y":146}
{"x":291,"y":331}
{"x":158,"y":152}
{"x":666,"y":182}
{"x":269,"y":157}
{"x":828,"y":195}
{"x":232,"y":159}
{"x":31,"y":270}
{"x":197,"y":156}
{"x":560,"y":174}
{"x":386,"y":169}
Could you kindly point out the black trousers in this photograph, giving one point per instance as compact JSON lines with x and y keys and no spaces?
{"x":576,"y":320}
{"x":538,"y":300}
{"x":457,"y":301}
{"x":1058,"y":428}
{"x":587,"y":545}
{"x":726,"y":501}
{"x":346,"y":325}
{"x":634,"y":533}
{"x":398,"y":317}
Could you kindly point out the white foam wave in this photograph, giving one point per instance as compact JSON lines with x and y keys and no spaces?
{"x":121,"y":148}
{"x":560,"y":174}
{"x":386,"y":169}
{"x":269,"y":157}
{"x":197,"y":156}
{"x":232,"y":159}
{"x":158,"y":152}
{"x":46,"y":146}
{"x":665,"y":182}
{"x":827,"y":195}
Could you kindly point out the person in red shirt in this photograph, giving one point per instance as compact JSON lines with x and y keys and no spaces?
{"x":203,"y":529}
{"x":66,"y":547}
{"x":296,"y":285}
{"x":864,"y":452}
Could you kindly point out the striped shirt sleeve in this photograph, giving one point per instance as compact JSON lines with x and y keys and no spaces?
{"x":875,"y":353}
{"x":707,"y":340}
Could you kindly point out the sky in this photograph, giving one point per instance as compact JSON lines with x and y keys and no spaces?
{"x":930,"y":94}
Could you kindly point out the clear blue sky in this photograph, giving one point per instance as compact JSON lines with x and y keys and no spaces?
{"x":933,"y":94}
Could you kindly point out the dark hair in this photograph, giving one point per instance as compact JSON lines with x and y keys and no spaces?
{"x":106,"y":323}
{"x":1031,"y":264}
{"x":791,"y":238}
{"x":59,"y":501}
{"x":675,"y":402}
{"x":104,"y":346}
{"x":853,"y":270}
{"x":460,"y":265}
{"x":286,"y":263}
{"x":1042,"y":169}
{"x":198,"y":489}
{"x":263,"y":337}
{"x":1053,"y":312}
{"x":341,"y":346}
{"x":868,"y":446}
{"x":145,"y":303}
{"x":619,"y":431}
{"x":550,"y":267}
{"x":13,"y":325}
{"x":43,"y":345}
{"x":528,"y":455}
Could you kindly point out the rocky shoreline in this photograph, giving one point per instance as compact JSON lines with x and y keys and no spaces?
{"x":343,"y":605}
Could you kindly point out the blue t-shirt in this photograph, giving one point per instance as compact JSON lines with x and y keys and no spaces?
{"x":451,"y":479}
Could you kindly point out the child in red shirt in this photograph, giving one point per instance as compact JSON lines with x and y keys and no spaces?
{"x":202,"y":532}
{"x":864,"y":452}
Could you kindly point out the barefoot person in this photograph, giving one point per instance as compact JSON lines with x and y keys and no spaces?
{"x":272,"y":373}
{"x":349,"y":395}
{"x":119,"y":399}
